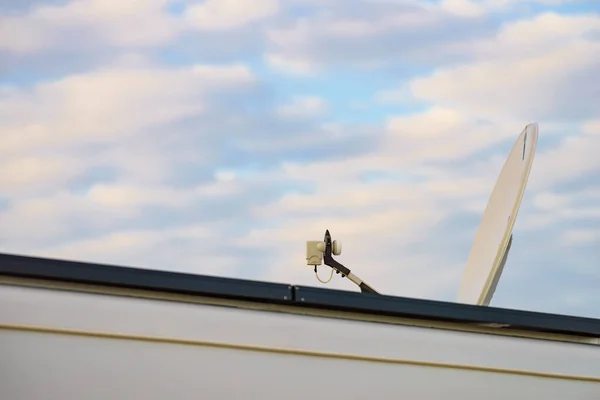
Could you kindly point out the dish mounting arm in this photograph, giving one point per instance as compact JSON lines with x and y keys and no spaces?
{"x":339,"y":268}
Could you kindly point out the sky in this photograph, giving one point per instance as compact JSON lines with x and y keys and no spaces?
{"x":216,"y":137}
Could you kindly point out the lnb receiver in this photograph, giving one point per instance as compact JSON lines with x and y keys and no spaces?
{"x":319,"y":252}
{"x":316,"y":248}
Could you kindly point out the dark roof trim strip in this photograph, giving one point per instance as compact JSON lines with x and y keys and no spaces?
{"x":136,"y":278}
{"x":445,"y":311}
{"x":209,"y":286}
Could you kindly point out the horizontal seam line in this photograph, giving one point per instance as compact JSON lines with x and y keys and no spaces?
{"x":297,"y":352}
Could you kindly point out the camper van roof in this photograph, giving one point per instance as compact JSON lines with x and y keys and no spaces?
{"x":291,"y":295}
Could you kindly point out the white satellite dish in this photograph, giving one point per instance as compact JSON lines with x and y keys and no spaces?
{"x":494,"y":236}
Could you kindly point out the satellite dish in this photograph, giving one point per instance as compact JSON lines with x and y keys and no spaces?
{"x":494,"y":236}
{"x":493,"y":239}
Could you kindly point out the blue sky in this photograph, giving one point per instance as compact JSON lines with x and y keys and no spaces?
{"x":216,"y":137}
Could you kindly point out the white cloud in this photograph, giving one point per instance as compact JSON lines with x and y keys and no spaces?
{"x":528,"y":71}
{"x":109,"y":102}
{"x":104,"y":107}
{"x":291,"y":65}
{"x":133,"y":241}
{"x":576,"y":155}
{"x":547,"y":201}
{"x":91,"y":26}
{"x":494,"y":5}
{"x":228,"y":14}
{"x":478,"y":8}
{"x":48,"y":218}
{"x":126,"y":196}
{"x":87,"y":23}
{"x":189,"y":248}
{"x":580,"y":237}
{"x":557,"y":208}
{"x":21,"y":172}
{"x":465,"y":8}
{"x":303,"y":107}
{"x":367,"y":34}
{"x":440,"y":135}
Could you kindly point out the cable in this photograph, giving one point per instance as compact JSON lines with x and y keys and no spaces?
{"x":322,"y":281}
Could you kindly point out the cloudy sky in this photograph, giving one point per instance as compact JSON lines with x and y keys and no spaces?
{"x":217,"y":136}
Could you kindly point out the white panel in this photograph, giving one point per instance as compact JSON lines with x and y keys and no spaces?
{"x":43,"y":366}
